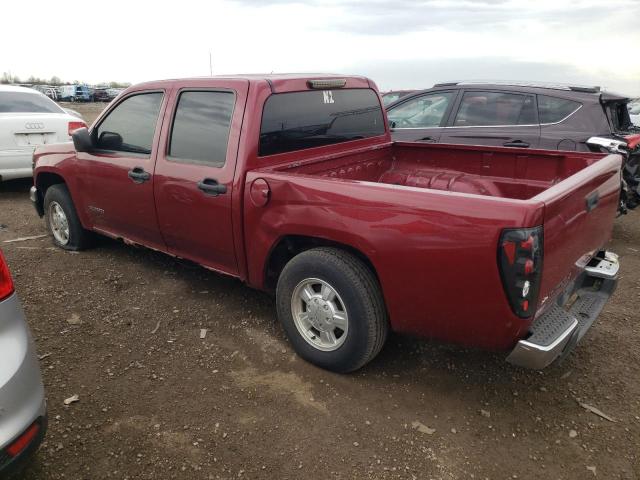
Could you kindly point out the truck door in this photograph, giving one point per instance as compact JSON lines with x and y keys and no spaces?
{"x":118,"y":173}
{"x":501,"y":119}
{"x":195,"y":171}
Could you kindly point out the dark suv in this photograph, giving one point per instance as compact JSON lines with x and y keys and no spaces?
{"x":516,"y":115}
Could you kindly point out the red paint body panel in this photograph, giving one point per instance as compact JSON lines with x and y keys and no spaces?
{"x":427,"y":217}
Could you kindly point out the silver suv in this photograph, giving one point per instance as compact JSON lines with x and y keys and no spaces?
{"x":23,"y":418}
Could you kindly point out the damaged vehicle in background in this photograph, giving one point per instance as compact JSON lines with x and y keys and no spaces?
{"x":634,"y":111}
{"x":527,"y":116}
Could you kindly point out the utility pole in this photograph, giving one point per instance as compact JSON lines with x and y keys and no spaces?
{"x":210,"y":64}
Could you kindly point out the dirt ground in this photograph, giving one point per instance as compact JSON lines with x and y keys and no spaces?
{"x":120,"y":327}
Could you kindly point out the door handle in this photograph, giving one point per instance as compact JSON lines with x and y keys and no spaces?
{"x":516,"y":143}
{"x":138,"y":175}
{"x":210,"y":186}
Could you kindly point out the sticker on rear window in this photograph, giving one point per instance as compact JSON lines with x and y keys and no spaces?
{"x":328,"y":96}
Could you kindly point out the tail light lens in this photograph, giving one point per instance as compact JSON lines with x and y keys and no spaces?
{"x":520,"y":263}
{"x":23,"y":441}
{"x":73,"y":126}
{"x":6,"y":282}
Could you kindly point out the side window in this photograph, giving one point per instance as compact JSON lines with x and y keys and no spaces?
{"x":421,"y":112}
{"x":552,"y":109}
{"x":130,"y":126}
{"x":495,"y":108}
{"x":389,"y":98}
{"x":201,"y":126}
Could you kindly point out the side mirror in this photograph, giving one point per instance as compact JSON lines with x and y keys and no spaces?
{"x":82,"y":140}
{"x":110,"y":141}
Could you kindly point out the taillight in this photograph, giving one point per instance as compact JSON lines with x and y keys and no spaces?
{"x":6,"y":282}
{"x":520,"y":263}
{"x":23,"y":441}
{"x":73,"y":126}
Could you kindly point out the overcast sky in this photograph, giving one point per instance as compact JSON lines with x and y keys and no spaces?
{"x":400,"y":44}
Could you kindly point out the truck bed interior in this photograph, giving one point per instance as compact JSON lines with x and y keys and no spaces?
{"x":496,"y":172}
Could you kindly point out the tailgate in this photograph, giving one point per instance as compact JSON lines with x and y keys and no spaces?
{"x":578,"y":221}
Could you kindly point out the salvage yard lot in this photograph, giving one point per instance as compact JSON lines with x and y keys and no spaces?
{"x":121,"y":328}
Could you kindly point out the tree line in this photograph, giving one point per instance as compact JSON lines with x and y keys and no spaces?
{"x":7,"y":78}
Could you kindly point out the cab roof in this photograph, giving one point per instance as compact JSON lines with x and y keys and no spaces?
{"x":279,"y":82}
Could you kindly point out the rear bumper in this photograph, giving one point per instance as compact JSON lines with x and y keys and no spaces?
{"x":16,"y":164}
{"x":36,"y":199}
{"x":12,"y":466}
{"x":554,"y":334}
{"x":22,"y":396}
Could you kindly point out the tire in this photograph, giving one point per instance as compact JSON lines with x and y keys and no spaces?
{"x":356,"y":303}
{"x":58,"y":204}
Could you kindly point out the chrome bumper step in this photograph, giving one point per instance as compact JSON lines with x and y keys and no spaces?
{"x":554,"y":334}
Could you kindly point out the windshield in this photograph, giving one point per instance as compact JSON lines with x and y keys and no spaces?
{"x":300,"y":120}
{"x":25,"y":102}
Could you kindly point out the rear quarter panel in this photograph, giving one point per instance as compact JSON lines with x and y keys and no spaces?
{"x":434,"y":252}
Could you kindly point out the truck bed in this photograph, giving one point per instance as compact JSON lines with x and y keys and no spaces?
{"x":489,"y":171}
{"x":436,"y":213}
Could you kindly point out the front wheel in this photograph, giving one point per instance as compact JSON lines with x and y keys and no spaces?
{"x":62,"y":220}
{"x":331,"y":308}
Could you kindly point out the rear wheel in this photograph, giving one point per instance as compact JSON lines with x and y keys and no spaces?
{"x":62,"y":219}
{"x":331,"y":308}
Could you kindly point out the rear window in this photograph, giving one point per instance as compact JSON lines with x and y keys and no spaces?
{"x":20,"y":102}
{"x":552,"y":109}
{"x":301,"y":120}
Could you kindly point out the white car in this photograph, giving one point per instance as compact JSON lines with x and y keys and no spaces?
{"x":29,"y":118}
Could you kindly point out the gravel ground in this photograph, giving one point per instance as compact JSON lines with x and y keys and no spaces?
{"x":120,"y":327}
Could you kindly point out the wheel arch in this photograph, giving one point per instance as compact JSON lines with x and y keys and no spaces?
{"x":43,"y":181}
{"x":288,"y":246}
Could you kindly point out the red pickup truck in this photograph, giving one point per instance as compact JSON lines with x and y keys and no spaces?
{"x":293,"y":185}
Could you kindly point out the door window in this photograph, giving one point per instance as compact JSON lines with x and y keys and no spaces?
{"x":130,"y":126}
{"x":495,"y":109}
{"x":426,"y":111}
{"x":201,"y":127}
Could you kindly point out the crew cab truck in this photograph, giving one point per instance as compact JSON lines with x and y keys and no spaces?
{"x":292,"y":184}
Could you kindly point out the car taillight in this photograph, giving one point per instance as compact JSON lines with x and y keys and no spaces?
{"x":6,"y":282}
{"x":520,"y":263}
{"x":23,"y":441}
{"x":73,"y":126}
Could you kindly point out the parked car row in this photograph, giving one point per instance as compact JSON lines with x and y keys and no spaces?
{"x":78,"y":93}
